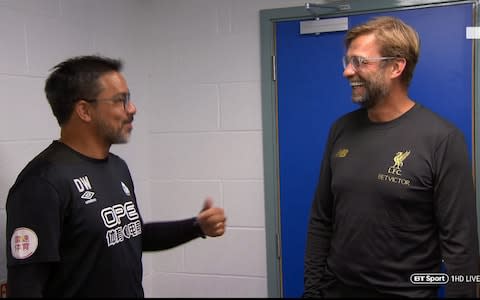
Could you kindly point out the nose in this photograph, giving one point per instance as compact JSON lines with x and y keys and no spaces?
{"x":131,"y":108}
{"x":349,"y":71}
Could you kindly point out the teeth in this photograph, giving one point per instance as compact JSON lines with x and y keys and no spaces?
{"x":356,"y":83}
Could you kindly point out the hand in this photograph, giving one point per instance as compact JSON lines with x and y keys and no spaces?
{"x":211,"y":219}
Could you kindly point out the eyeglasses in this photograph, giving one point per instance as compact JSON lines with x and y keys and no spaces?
{"x":359,"y":61}
{"x":124,"y":98}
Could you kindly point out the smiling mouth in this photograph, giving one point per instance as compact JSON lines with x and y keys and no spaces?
{"x":355,"y":84}
{"x":128,"y":125}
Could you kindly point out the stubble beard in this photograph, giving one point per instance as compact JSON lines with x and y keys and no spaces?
{"x":375,"y":91}
{"x":113,"y":135}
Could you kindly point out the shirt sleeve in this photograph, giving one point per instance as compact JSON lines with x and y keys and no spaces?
{"x":166,"y":235}
{"x":34,"y":221}
{"x":455,"y":212}
{"x":27,"y":280}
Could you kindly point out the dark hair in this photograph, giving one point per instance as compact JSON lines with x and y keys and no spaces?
{"x":396,"y":39}
{"x":74,"y":79}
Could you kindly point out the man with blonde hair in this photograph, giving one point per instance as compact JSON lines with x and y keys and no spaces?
{"x":395,"y":195}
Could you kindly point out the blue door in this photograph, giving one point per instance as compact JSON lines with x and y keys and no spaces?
{"x":312,"y":93}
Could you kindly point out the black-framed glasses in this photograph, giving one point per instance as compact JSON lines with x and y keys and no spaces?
{"x":124,"y":98}
{"x":358,"y":61}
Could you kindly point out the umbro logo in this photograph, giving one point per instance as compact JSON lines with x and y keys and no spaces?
{"x":88,"y":197}
{"x":83,"y":186}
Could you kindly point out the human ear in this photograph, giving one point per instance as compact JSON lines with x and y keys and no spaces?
{"x":397,"y":67}
{"x":83,"y":110}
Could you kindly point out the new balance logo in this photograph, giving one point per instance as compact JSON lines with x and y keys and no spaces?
{"x":83,"y":186}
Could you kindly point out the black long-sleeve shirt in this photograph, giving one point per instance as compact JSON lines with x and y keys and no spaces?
{"x":74,"y":228}
{"x":393,"y":199}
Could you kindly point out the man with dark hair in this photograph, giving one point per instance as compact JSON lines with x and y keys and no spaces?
{"x":395,"y":194}
{"x":73,"y":225}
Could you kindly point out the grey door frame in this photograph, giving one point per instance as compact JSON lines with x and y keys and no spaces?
{"x":268,"y":20}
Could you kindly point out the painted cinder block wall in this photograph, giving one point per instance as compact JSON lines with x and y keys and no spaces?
{"x":193,"y":67}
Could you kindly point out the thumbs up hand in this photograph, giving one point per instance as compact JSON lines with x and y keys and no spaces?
{"x":211,"y":219}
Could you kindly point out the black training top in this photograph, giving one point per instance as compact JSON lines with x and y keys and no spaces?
{"x":393,"y":199}
{"x":81,"y":215}
{"x":74,"y":228}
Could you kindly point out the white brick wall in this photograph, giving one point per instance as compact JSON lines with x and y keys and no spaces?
{"x":193,"y":67}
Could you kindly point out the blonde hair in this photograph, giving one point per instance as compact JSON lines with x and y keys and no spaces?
{"x":395,"y":39}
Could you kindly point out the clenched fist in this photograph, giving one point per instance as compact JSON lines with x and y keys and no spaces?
{"x":212,"y":219}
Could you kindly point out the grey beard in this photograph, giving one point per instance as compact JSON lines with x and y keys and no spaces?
{"x":373,"y":96}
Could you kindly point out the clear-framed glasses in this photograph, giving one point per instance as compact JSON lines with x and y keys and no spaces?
{"x":358,"y":61}
{"x":124,"y":98}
